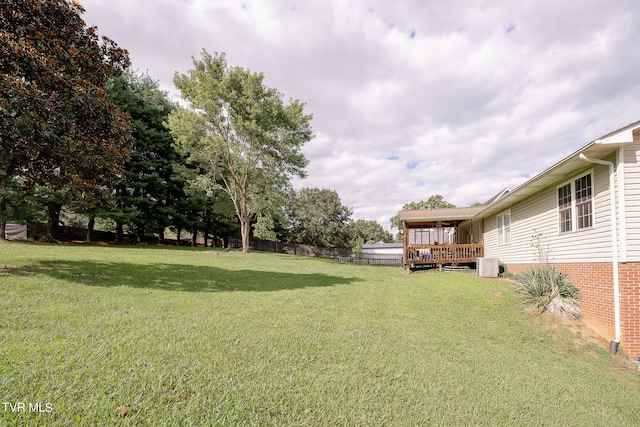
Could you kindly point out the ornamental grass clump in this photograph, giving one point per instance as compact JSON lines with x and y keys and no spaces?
{"x":546,"y":289}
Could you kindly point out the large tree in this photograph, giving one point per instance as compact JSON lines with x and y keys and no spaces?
{"x":370,"y":231}
{"x":319,"y":218}
{"x":243,"y":136}
{"x":57,"y":128}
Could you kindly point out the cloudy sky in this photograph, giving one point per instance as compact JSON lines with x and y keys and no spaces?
{"x":411,"y":98}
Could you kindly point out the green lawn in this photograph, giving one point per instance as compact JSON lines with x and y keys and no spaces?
{"x":197,"y":337}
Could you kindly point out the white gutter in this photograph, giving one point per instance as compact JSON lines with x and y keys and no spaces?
{"x":614,"y":246}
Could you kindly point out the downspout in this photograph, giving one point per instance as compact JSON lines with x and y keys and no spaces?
{"x":613,"y":347}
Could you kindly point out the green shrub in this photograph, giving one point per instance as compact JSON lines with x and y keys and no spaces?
{"x":546,"y":288}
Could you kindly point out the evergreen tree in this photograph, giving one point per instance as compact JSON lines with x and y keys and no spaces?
{"x":148,"y":194}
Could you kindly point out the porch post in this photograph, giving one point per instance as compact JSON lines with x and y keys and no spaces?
{"x":405,"y":238}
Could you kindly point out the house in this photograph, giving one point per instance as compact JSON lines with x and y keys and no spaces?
{"x":382,"y":249}
{"x":382,"y":253}
{"x":582,"y":215}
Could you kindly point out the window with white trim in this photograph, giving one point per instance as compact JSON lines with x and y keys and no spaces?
{"x":564,"y":208}
{"x":575,"y":204}
{"x":584,"y":202}
{"x":504,"y":228}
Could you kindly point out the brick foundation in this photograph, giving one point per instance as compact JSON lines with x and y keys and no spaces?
{"x":630,"y":307}
{"x":595,"y":281}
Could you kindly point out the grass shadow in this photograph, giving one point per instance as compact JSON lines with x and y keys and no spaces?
{"x":177,"y":277}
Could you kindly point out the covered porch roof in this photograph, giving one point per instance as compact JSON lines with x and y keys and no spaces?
{"x":433,"y":218}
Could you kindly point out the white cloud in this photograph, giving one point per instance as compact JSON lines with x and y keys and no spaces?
{"x":473,"y":95}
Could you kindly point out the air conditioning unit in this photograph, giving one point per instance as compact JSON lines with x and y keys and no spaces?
{"x":487,"y":267}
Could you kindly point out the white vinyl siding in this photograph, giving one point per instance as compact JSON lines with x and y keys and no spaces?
{"x":632,"y":200}
{"x":539,"y":214}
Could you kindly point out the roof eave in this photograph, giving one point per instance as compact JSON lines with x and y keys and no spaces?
{"x":595,"y":149}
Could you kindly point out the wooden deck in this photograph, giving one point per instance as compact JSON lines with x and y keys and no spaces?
{"x":442,"y":254}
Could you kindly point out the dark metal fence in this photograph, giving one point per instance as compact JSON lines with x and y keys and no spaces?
{"x":343,"y":255}
{"x":379,"y":259}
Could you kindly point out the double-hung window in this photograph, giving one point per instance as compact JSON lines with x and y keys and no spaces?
{"x":564,"y":208}
{"x":584,"y":202}
{"x":504,"y":228}
{"x":575,"y":204}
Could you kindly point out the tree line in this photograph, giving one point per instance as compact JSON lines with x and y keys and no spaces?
{"x":85,"y":137}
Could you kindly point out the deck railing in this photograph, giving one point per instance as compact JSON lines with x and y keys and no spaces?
{"x":443,"y":254}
